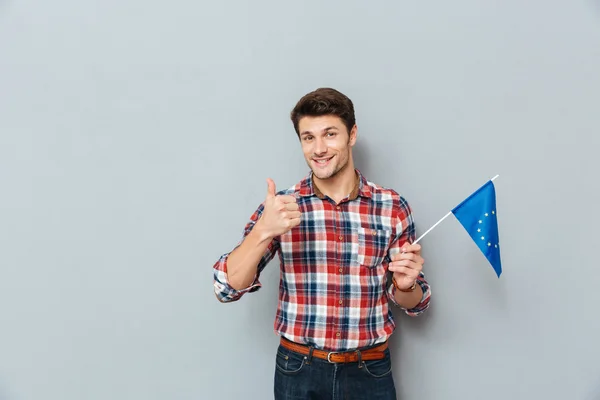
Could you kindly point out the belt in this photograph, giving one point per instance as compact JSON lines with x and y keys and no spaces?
{"x":371,"y":353}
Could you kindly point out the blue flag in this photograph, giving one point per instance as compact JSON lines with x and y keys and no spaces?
{"x":478,"y":215}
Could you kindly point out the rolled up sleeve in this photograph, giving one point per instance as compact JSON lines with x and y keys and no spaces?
{"x":224,"y":292}
{"x":423,"y":304}
{"x":405,"y":233}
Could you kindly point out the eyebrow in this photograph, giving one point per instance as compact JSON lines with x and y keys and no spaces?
{"x":324,"y":130}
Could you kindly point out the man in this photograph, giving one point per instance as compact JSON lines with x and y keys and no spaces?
{"x":340,"y":239}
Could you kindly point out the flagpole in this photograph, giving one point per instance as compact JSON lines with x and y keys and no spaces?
{"x":437,"y":223}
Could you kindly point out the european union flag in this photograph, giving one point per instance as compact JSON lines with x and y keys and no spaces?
{"x":477,"y":214}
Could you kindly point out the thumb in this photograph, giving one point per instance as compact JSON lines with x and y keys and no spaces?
{"x":270,"y":188}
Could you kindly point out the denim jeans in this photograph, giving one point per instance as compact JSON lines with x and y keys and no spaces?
{"x":299,"y":378}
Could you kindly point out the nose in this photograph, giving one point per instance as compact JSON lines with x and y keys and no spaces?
{"x":320,"y":147}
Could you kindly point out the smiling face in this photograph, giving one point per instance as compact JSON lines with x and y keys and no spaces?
{"x":326,"y":144}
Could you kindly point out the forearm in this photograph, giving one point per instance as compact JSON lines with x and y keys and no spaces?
{"x":242,"y":263}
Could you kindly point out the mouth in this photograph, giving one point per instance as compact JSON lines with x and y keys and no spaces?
{"x":322,"y":162}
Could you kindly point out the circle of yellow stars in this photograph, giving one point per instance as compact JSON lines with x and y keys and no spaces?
{"x":479,"y":230}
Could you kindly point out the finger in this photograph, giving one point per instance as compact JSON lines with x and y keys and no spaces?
{"x":403,"y":256}
{"x":411,"y":248}
{"x":407,"y":264}
{"x":270,"y":188}
{"x":401,"y":263}
{"x":396,"y":257}
{"x":292,"y":214}
{"x":292,"y":206}
{"x":409,"y":256}
{"x":287,"y":198}
{"x":404,"y":271}
{"x":294,"y":222}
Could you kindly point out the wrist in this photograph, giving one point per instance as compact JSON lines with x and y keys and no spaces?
{"x":403,"y":288}
{"x":262,"y":233}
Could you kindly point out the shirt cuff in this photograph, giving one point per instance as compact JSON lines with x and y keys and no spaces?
{"x":423,"y":303}
{"x":223,"y":290}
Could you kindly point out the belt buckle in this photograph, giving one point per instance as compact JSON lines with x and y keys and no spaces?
{"x":329,"y":356}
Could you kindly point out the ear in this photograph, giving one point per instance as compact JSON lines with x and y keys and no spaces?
{"x":353,"y":135}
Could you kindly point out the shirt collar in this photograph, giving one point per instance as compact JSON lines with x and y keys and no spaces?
{"x":361,"y":187}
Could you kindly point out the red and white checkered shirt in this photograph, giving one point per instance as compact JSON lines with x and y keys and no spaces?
{"x":335,"y":286}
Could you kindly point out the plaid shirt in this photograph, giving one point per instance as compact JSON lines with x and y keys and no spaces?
{"x":335,"y":286}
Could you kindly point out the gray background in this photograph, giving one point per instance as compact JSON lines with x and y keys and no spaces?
{"x":136,"y":137}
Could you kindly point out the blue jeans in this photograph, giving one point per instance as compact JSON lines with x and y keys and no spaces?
{"x":299,"y":378}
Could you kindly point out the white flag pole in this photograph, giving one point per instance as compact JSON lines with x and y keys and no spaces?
{"x":437,"y":223}
{"x":428,"y":230}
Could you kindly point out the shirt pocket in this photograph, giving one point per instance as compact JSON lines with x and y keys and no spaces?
{"x":373,"y":245}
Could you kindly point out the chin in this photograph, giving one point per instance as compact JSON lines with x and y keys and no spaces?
{"x":321,"y":175}
{"x":324,"y":174}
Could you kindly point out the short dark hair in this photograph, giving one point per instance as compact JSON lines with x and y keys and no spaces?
{"x":324,"y":101}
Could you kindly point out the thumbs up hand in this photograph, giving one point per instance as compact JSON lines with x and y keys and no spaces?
{"x":280,"y":214}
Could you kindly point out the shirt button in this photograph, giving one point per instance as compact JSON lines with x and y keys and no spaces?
{"x":337,"y":334}
{"x":340,"y":302}
{"x":373,"y":233}
{"x":338,"y":207}
{"x":341,"y":270}
{"x":341,"y":237}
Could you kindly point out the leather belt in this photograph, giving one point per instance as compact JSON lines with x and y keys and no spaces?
{"x":371,"y":353}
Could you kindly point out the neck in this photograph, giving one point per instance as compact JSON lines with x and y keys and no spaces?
{"x":340,"y":185}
